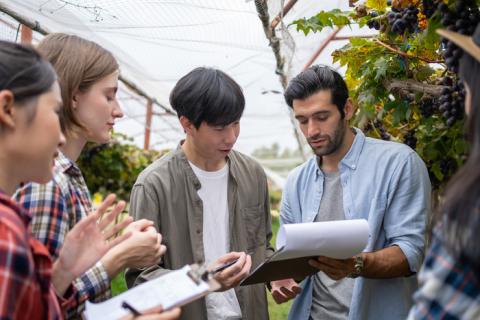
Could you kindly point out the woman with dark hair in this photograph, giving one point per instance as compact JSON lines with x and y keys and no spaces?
{"x":450,"y":278}
{"x":31,"y":287}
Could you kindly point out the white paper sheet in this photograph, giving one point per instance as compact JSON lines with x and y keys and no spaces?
{"x":335,"y":239}
{"x":169,"y":290}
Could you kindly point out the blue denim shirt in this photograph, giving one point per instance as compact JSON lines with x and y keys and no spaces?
{"x":387,"y":184}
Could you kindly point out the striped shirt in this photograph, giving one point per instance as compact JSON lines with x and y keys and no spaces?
{"x":26,"y":291}
{"x":56,"y":208}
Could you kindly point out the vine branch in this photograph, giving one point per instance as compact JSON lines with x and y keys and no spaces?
{"x":412,"y":85}
{"x":404,"y":54}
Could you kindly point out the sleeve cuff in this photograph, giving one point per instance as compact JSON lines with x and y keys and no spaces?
{"x":413,"y":258}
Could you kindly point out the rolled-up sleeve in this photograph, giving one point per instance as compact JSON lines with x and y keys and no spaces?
{"x":408,"y":204}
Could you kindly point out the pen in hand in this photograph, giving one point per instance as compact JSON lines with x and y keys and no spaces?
{"x":223,"y":266}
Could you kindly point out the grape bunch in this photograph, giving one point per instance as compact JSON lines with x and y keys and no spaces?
{"x":429,"y":7}
{"x":410,"y":140}
{"x":383,"y":132}
{"x":367,"y":127}
{"x":451,"y":102}
{"x":463,"y":18}
{"x":427,"y":106}
{"x":403,"y":20}
{"x":448,"y":166}
{"x":373,"y":23}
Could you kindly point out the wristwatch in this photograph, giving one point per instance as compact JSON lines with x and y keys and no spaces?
{"x":358,"y":267}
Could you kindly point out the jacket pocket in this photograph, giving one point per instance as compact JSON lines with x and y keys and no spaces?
{"x":254,"y":221}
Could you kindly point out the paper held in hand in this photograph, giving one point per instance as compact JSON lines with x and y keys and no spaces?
{"x":339,"y":239}
{"x":297,"y":243}
{"x":171,"y":290}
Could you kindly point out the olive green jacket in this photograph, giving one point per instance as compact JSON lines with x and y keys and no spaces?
{"x":166,"y":193}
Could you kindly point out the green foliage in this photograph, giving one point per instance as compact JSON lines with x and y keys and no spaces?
{"x":375,"y":63}
{"x":323,"y":19}
{"x":114,"y":167}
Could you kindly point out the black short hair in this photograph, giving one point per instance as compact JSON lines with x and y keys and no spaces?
{"x":314,"y":79}
{"x":210,"y":95}
{"x":24,"y":72}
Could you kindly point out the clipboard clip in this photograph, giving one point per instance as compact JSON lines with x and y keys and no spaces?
{"x":199,"y":272}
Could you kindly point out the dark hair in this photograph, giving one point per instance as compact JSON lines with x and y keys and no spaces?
{"x":24,"y":72}
{"x":461,"y":210}
{"x":314,"y":79}
{"x":210,"y":95}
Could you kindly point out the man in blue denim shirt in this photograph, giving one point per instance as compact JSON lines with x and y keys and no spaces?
{"x":353,"y":177}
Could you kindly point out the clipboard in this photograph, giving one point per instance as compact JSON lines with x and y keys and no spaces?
{"x":281,"y":269}
{"x":174,"y":289}
{"x":300,"y":242}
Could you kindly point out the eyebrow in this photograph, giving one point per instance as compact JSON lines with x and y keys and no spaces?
{"x":323,"y":112}
{"x":114,"y":89}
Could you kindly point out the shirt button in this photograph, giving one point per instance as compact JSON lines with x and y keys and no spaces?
{"x":354,"y":166}
{"x":198,"y":231}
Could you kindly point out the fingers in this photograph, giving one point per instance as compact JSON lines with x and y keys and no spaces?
{"x":231,"y":276}
{"x":117,"y":228}
{"x":279,"y":297}
{"x":170,"y":315}
{"x":163,"y":249}
{"x":296,"y":289}
{"x":106,"y":220}
{"x":104,"y":205}
{"x":284,"y":290}
{"x":228,"y":257}
{"x":141,"y":225}
{"x":332,"y":273}
{"x":119,"y":239}
{"x":233,"y":269}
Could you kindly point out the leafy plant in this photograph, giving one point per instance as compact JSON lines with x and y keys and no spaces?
{"x":114,"y":167}
{"x":400,"y":83}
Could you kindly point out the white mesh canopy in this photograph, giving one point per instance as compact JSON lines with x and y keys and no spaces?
{"x":158,"y":41}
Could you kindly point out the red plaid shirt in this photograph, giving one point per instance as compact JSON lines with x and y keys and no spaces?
{"x":25,"y":270}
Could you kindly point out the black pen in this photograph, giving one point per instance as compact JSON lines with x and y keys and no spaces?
{"x":126,"y":305}
{"x":224,"y":266}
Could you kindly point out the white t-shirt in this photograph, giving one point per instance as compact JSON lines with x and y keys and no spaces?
{"x":216,"y":237}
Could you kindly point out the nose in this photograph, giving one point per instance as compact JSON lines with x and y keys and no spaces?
{"x":231,"y":135}
{"x":62,"y":140}
{"x":312,"y":129}
{"x":117,"y":111}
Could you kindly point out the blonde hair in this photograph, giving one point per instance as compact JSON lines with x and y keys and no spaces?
{"x":79,"y":63}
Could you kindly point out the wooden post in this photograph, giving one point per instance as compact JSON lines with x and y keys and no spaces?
{"x":148,"y":124}
{"x":25,"y":35}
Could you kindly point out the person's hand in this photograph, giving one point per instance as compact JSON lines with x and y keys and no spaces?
{"x":284,"y":290}
{"x":156,"y":314}
{"x":231,"y":276}
{"x":335,"y":269}
{"x":87,"y":243}
{"x":143,"y":249}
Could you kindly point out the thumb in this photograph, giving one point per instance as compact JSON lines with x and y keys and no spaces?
{"x":140,"y":225}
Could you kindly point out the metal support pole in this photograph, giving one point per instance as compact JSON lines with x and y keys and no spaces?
{"x":321,"y":48}
{"x":287,"y":8}
{"x":148,"y":124}
{"x":26,"y":35}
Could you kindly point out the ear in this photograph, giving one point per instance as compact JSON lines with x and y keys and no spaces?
{"x":75,"y":99}
{"x":7,"y":110}
{"x":187,"y":126}
{"x":349,"y":109}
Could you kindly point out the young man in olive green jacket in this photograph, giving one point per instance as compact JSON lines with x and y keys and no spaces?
{"x":208,"y":201}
